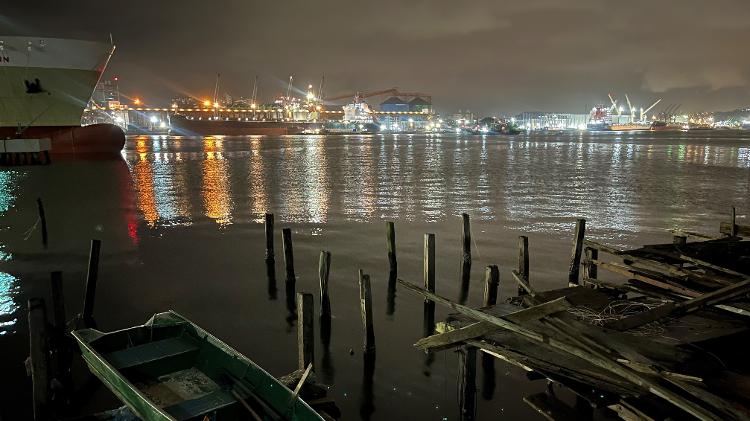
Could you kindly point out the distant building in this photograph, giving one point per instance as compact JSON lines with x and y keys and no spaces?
{"x":105,"y":92}
{"x":420,"y":105}
{"x":394,"y":104}
{"x":536,"y":120}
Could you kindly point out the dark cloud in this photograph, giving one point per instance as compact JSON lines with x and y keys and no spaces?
{"x":487,"y":55}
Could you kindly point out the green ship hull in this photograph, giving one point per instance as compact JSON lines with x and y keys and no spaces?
{"x":171,"y":369}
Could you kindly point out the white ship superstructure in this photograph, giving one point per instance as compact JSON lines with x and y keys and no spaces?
{"x":48,"y":81}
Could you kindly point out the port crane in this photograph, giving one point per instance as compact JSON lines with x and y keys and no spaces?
{"x":643,"y":113}
{"x":614,"y":104}
{"x":391,"y":91}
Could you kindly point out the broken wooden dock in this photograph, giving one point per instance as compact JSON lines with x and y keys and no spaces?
{"x":650,"y":346}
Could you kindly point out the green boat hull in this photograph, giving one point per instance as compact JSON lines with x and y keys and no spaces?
{"x":171,"y":369}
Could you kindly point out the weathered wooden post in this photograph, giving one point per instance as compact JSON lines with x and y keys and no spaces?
{"x":91,"y":277}
{"x":467,"y":389}
{"x":324,"y":270}
{"x":575,"y":261}
{"x":269,"y":237}
{"x":589,"y":267}
{"x":491,"y":284}
{"x":523,"y":262}
{"x":42,"y":220}
{"x":429,"y":262}
{"x":365,"y":305}
{"x":305,"y":333}
{"x":429,"y":283}
{"x":465,"y":257}
{"x":39,"y":364}
{"x":390,"y":239}
{"x":679,"y":240}
{"x":734,"y":222}
{"x":286,"y":240}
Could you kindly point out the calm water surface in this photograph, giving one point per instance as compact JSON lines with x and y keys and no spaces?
{"x":181,"y":225}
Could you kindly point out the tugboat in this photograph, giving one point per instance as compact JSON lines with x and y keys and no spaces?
{"x":358,"y":118}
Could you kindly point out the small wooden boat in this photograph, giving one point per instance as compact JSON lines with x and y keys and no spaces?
{"x":171,"y":369}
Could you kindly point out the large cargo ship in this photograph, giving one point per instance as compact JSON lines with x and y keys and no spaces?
{"x":191,"y":126}
{"x":46,"y":84}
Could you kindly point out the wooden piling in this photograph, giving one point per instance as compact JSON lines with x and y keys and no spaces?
{"x":390,"y":239}
{"x":679,"y":240}
{"x":429,"y":262}
{"x":269,"y":237}
{"x":58,"y":301}
{"x":39,"y":364}
{"x":286,"y":239}
{"x":305,"y":332}
{"x":467,"y":389}
{"x":734,"y":222}
{"x":324,"y":270}
{"x":575,"y":261}
{"x":491,"y":283}
{"x":91,"y":278}
{"x":42,"y":220}
{"x":365,"y":305}
{"x":589,"y":268}
{"x":465,"y":247}
{"x":523,"y":262}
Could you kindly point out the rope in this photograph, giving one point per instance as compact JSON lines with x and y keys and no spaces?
{"x":28,"y":232}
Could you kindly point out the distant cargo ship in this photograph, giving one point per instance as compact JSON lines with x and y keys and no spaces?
{"x":630,"y":127}
{"x":46,"y":84}
{"x":185,"y":126}
{"x":358,"y":118}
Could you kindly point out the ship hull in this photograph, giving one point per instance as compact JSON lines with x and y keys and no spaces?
{"x":194,"y":127}
{"x":96,"y":140}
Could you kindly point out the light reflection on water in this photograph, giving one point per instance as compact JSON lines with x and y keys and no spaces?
{"x":8,"y":283}
{"x":536,"y":183}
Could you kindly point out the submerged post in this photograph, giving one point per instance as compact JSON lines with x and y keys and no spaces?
{"x":269,"y":237}
{"x":589,"y":267}
{"x":390,"y":239}
{"x":305,"y":334}
{"x":39,"y":366}
{"x":365,"y":305}
{"x":467,"y":389}
{"x":523,"y":262}
{"x":491,"y":283}
{"x":58,"y":301}
{"x":42,"y":220}
{"x":575,"y":261}
{"x":324,"y":270}
{"x":91,"y":277}
{"x":429,"y":262}
{"x":286,"y":240}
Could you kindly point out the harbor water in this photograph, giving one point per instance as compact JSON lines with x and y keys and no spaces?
{"x":181,"y":224}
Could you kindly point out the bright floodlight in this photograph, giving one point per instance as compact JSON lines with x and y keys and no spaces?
{"x":153,"y":119}
{"x":383,"y":127}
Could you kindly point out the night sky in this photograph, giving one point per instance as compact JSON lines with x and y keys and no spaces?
{"x":489,"y":56}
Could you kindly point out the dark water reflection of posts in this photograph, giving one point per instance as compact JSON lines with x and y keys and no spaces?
{"x":367,"y":398}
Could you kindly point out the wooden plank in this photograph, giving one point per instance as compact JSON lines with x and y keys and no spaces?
{"x":522,"y":284}
{"x":590,"y":270}
{"x":150,"y":352}
{"x":632,"y":273}
{"x":474,"y":330}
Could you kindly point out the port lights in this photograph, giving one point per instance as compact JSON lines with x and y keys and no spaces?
{"x":137,"y":101}
{"x":206,"y":103}
{"x":383,"y":127}
{"x":216,"y":105}
{"x":153,"y":119}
